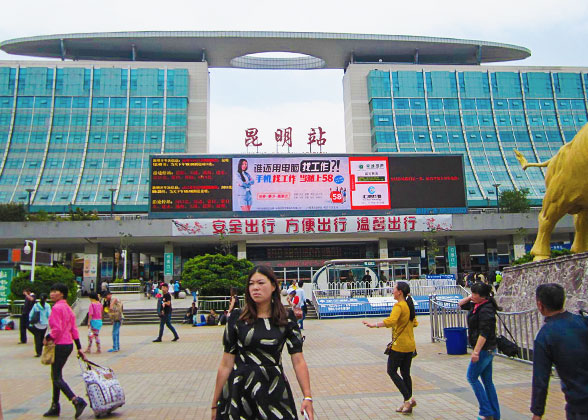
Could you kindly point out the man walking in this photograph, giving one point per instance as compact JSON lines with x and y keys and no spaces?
{"x":165,"y":308}
{"x":563,"y":342}
{"x":29,"y":302}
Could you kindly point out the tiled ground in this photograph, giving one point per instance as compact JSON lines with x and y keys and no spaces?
{"x":347,"y":367}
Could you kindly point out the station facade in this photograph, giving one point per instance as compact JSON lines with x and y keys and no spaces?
{"x":80,"y":133}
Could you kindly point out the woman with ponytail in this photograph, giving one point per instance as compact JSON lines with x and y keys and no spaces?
{"x":402,"y":320}
{"x":482,"y":337}
{"x":41,"y":321}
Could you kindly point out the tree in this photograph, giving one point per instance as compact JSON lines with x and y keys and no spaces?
{"x":215,"y":274}
{"x":12,"y":212}
{"x":514,"y":201}
{"x":45,"y":277}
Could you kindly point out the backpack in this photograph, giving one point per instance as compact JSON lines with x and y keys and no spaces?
{"x":116,"y":313}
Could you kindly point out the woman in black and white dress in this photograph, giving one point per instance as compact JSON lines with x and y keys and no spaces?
{"x":251,"y":382}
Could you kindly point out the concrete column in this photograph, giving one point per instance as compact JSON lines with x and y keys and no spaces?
{"x":241,"y":250}
{"x":451,"y":256}
{"x":177,"y":263}
{"x":91,"y":276}
{"x":383,"y":243}
{"x":134,"y":265}
{"x":491,"y":248}
{"x":518,"y":242}
{"x":168,"y":262}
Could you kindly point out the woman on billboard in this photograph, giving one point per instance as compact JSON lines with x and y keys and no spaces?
{"x":244,"y":183}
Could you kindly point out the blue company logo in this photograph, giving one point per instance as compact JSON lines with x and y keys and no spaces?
{"x":372,"y":189}
{"x":339,"y":179}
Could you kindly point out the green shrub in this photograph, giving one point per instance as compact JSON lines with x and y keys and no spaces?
{"x":527,"y":258}
{"x":45,"y":277}
{"x":215,"y":274}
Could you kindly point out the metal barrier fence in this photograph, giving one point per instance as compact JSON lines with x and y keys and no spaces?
{"x":218,"y":303}
{"x":522,"y":325}
{"x":361,"y":302}
{"x":118,"y":288}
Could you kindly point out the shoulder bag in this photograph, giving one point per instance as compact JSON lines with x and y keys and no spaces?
{"x":388,"y":349}
{"x":36,"y":318}
{"x":505,"y":346}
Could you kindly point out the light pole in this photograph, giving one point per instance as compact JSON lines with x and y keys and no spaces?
{"x":112,"y":190}
{"x":497,"y":198}
{"x":30,"y":191}
{"x":27,"y":250}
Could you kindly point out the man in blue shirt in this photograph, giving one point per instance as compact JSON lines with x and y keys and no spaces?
{"x":563,"y":342}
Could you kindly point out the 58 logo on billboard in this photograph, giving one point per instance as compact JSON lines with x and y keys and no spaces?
{"x":336,"y":196}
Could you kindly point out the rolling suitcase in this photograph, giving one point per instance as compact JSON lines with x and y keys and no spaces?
{"x":103,"y":389}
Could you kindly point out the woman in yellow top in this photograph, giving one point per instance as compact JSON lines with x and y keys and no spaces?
{"x":402,"y":320}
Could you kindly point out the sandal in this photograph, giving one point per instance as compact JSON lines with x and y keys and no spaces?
{"x":399,"y":409}
{"x":407,"y":410}
{"x":413,"y":402}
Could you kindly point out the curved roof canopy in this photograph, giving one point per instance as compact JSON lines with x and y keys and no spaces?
{"x":234,"y":49}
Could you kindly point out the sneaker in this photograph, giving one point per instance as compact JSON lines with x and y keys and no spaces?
{"x":53,"y":411}
{"x":176,"y":338}
{"x":80,"y":405}
{"x":157,"y":340}
{"x":112,"y":350}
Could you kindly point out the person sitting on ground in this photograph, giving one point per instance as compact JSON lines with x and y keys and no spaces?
{"x":212,"y":318}
{"x":224,"y":318}
{"x":189,"y":317}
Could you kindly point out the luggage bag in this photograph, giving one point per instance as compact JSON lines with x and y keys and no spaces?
{"x":103,"y":389}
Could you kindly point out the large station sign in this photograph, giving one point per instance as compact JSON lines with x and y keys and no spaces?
{"x":187,"y":185}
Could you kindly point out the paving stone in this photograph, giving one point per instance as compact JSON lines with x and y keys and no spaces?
{"x":175,"y":380}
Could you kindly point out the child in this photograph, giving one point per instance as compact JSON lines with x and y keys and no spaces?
{"x":94,"y":322}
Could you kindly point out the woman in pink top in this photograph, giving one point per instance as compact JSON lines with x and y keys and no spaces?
{"x":94,"y":322}
{"x":64,"y":333}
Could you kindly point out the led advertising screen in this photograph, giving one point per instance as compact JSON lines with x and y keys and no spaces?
{"x":426,"y":182}
{"x":228,"y":185}
{"x":290,"y":183}
{"x":185,"y":184}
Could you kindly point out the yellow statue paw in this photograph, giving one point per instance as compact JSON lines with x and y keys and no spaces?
{"x":541,"y":257}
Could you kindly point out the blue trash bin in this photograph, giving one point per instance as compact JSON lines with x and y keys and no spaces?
{"x":456,"y":340}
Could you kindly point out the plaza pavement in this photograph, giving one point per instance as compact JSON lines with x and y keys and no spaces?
{"x":347,"y":369}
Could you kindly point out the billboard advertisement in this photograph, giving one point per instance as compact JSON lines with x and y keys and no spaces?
{"x":225,"y":185}
{"x":290,"y":183}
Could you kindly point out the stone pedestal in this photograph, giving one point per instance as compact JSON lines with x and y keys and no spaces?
{"x":517,"y":291}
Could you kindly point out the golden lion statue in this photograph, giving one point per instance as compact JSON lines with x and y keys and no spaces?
{"x":566,"y":192}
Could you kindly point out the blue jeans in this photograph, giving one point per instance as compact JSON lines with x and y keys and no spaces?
{"x":115,"y":335}
{"x":485,"y":391}
{"x":166,"y":321}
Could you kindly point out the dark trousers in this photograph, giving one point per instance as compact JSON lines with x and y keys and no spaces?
{"x":39,"y":335}
{"x":403,"y":361}
{"x":576,"y":416}
{"x":62,"y":352}
{"x":166,"y":320}
{"x":24,"y":325}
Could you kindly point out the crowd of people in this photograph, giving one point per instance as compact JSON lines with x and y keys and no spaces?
{"x":251,"y":382}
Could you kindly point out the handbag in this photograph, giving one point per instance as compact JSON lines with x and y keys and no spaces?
{"x":48,"y":355}
{"x":505,"y":346}
{"x":36,"y":318}
{"x":388,"y":349}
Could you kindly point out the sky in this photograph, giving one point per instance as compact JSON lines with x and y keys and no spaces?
{"x":554,"y":31}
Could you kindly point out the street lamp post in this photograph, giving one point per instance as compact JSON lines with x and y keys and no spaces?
{"x":497,"y":198}
{"x":30,"y":191}
{"x":112,"y":190}
{"x":27,"y":250}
